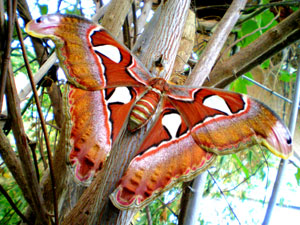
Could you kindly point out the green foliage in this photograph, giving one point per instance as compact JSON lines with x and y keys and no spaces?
{"x":43,"y":9}
{"x":297,"y":176}
{"x":7,"y":214}
{"x":248,"y":27}
{"x":264,"y":19}
{"x":240,"y":84}
{"x":287,"y":77}
{"x":163,"y":210}
{"x":240,"y":164}
{"x":265,"y":64}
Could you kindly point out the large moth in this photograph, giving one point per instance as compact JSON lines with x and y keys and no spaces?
{"x":110,"y":87}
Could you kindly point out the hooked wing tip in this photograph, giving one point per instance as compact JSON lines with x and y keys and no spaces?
{"x":279,"y":141}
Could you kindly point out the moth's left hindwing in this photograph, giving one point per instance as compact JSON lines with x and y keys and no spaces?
{"x":193,"y":124}
{"x":90,"y":132}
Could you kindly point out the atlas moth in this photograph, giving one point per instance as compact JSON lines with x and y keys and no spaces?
{"x":110,"y":87}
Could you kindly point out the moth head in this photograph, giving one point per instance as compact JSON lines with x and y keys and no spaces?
{"x":44,"y":27}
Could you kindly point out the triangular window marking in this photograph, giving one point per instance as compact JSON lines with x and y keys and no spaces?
{"x":110,"y":51}
{"x":120,"y":95}
{"x":218,"y":103}
{"x":172,"y":123}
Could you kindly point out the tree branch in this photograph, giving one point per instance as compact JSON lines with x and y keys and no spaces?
{"x":261,"y":49}
{"x":215,"y":44}
{"x":42,"y":56}
{"x":38,"y":105}
{"x":6,"y":57}
{"x":13,"y":163}
{"x":23,"y":149}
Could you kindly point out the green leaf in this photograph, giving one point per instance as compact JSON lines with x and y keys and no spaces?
{"x":250,"y":156}
{"x":265,"y":64}
{"x":239,"y":162}
{"x":43,"y":9}
{"x":247,"y":82}
{"x":297,"y":175}
{"x":286,"y":76}
{"x":74,"y":11}
{"x":240,"y":84}
{"x":266,"y":18}
{"x":248,"y":27}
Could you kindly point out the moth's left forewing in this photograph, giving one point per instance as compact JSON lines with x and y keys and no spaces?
{"x":91,"y":58}
{"x":119,"y":66}
{"x":224,"y":122}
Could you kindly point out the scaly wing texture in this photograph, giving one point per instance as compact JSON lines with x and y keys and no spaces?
{"x":90,"y":132}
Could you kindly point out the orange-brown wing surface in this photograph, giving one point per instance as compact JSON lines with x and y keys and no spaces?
{"x":90,"y":57}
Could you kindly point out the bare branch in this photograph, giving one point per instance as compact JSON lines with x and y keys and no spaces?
{"x":255,"y":53}
{"x":185,"y":49}
{"x":220,"y":189}
{"x":148,"y":213}
{"x":23,"y":149}
{"x":110,"y":21}
{"x":215,"y":44}
{"x":134,"y":22}
{"x":38,"y":105}
{"x":42,"y":56}
{"x":6,"y":57}
{"x":14,"y":165}
{"x":141,"y":21}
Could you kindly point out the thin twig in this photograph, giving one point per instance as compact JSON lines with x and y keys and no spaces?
{"x":252,"y":15}
{"x":168,"y":207}
{"x":52,"y":125}
{"x":35,"y":161}
{"x":222,"y":193}
{"x":267,"y":176}
{"x":126,"y":33}
{"x":42,"y":121}
{"x":11,"y":9}
{"x":269,"y":5}
{"x":247,"y":178}
{"x":148,"y":214}
{"x":208,"y":58}
{"x":134,"y":22}
{"x":13,"y":205}
{"x":169,"y":202}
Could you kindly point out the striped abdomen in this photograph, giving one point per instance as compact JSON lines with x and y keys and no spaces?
{"x":143,"y":109}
